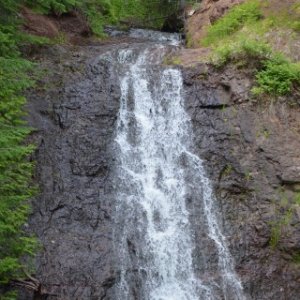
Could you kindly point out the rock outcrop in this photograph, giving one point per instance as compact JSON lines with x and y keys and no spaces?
{"x":73,"y":214}
{"x":251,"y":151}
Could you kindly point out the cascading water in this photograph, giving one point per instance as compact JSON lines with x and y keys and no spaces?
{"x":155,"y":241}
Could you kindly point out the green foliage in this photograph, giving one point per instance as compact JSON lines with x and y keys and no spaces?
{"x":296,"y":258}
{"x":277,"y":76}
{"x":11,"y":295}
{"x":102,"y":12}
{"x":234,"y":20}
{"x":278,"y":226}
{"x":241,"y":48}
{"x":56,"y":6}
{"x":149,"y":13}
{"x":15,"y":169}
{"x":8,"y":45}
{"x":284,"y":210}
{"x":297,"y":199}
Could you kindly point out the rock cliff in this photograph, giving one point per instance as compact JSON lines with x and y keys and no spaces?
{"x":250,"y":149}
{"x":75,"y":122}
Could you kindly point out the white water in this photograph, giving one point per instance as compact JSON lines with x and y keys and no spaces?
{"x":154,"y":135}
{"x":171,"y":38}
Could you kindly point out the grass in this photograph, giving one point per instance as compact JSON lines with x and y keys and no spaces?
{"x":234,"y":20}
{"x":296,"y":258}
{"x":278,"y":226}
{"x":297,"y":199}
{"x":283,"y":216}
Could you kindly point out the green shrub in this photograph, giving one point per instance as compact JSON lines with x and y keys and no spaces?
{"x":102,"y":12}
{"x":15,"y":168}
{"x":56,"y":6}
{"x":277,"y":76}
{"x":234,"y":20}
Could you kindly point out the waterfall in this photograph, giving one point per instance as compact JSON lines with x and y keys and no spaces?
{"x":155,"y":240}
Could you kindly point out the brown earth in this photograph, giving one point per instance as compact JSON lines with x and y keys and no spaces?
{"x":70,"y":27}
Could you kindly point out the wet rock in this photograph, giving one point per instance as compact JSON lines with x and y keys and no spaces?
{"x":73,"y":215}
{"x":252,"y":158}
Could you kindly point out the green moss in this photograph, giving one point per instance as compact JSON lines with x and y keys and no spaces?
{"x":172,"y":60}
{"x":189,"y":40}
{"x":296,"y":258}
{"x":248,"y":175}
{"x":275,"y":234}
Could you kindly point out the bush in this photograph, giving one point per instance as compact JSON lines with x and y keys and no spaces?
{"x":15,"y":169}
{"x":277,"y":76}
{"x":56,"y":6}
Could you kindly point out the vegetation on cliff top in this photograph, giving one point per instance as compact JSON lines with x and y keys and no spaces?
{"x":101,"y":12}
{"x":242,"y":36}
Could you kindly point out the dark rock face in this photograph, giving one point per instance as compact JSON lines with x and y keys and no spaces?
{"x":73,"y":215}
{"x":251,"y":152}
